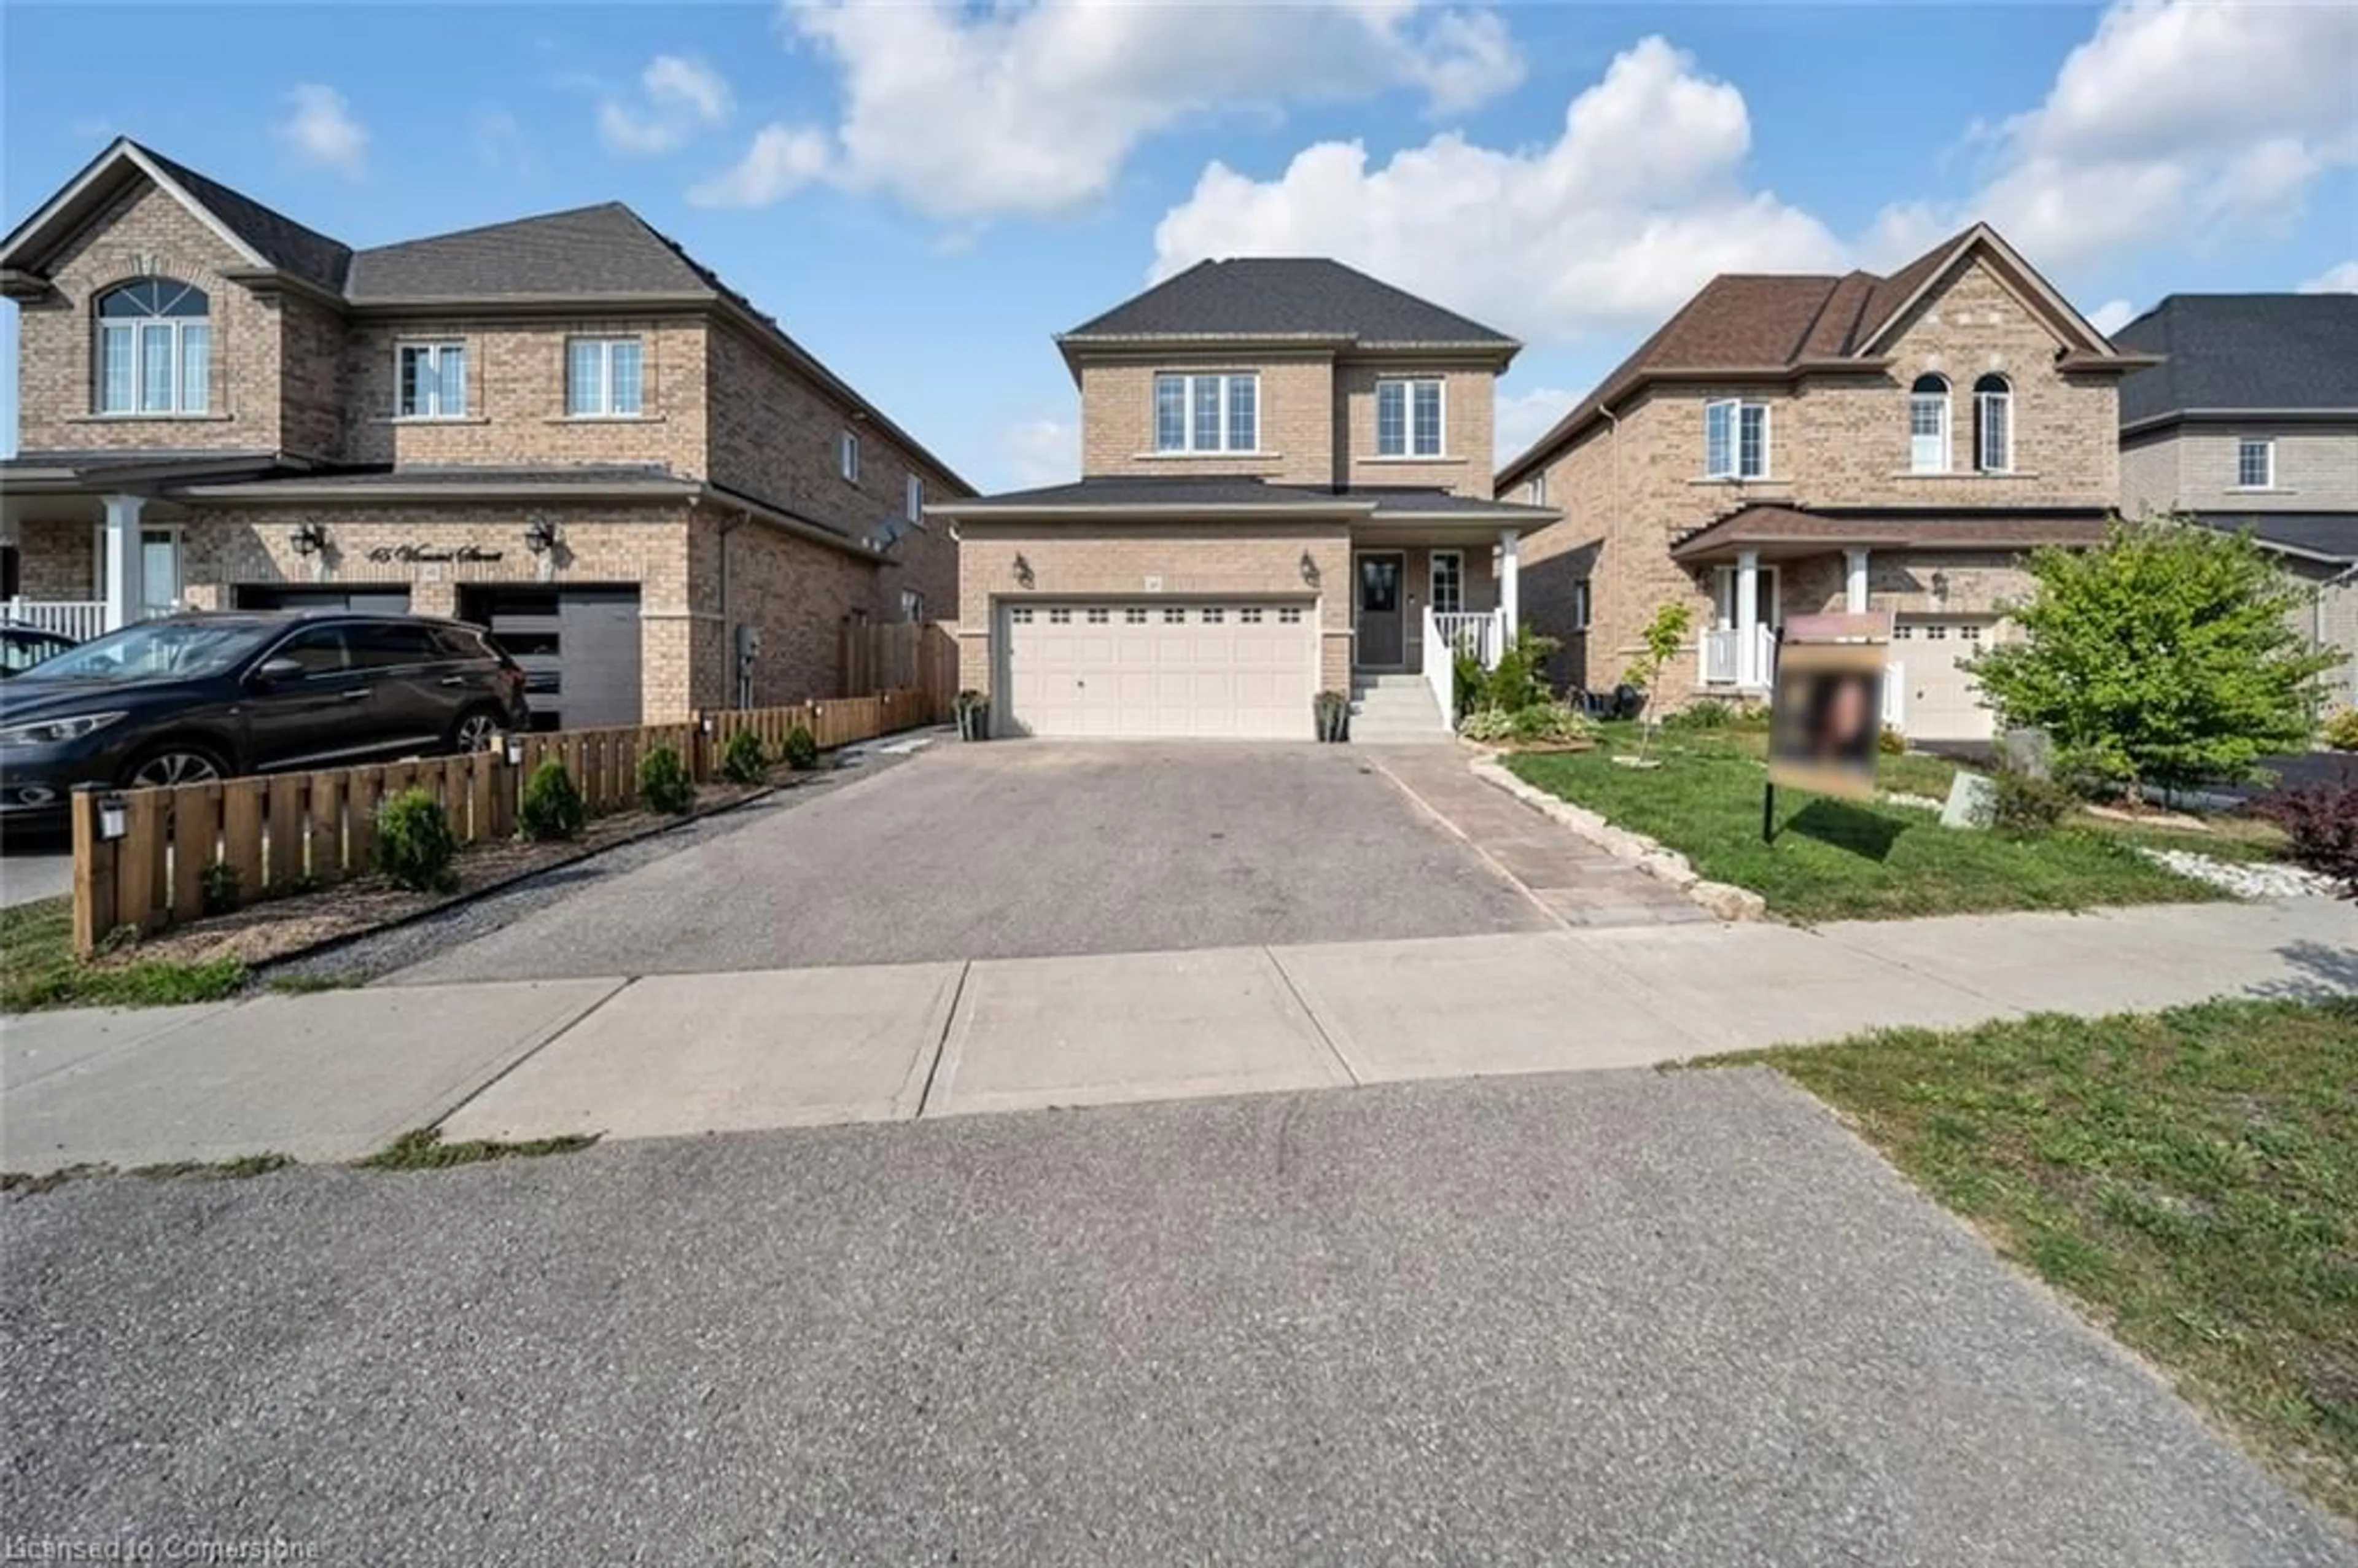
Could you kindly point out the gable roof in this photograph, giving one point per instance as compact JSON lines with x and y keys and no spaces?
{"x":2280,"y":353}
{"x":604,"y":251}
{"x":281,"y":240}
{"x":1768,"y":326}
{"x":1286,"y":297}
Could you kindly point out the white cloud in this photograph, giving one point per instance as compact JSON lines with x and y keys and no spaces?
{"x":1042,"y":451}
{"x":501,"y":143}
{"x":320,"y":127}
{"x":781,"y":162}
{"x":677,"y":98}
{"x":2341,"y":278}
{"x":967,"y":113}
{"x":2111,"y":316}
{"x":2177,"y":117}
{"x":1612,"y":225}
{"x":1521,"y":417}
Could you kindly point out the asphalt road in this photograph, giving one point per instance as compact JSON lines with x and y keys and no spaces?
{"x":1628,"y":1319}
{"x":1025,"y":850}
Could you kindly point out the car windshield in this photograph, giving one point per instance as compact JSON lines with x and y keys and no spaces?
{"x":159,"y":649}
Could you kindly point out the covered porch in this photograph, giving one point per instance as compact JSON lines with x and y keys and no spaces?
{"x":1429,"y":587}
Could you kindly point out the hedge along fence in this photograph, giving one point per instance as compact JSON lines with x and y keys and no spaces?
{"x":287,"y":833}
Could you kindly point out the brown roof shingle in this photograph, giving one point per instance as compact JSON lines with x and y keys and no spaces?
{"x":1791,"y":526}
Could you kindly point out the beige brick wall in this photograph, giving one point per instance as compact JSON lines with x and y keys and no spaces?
{"x":146,"y":232}
{"x":1466,"y":413}
{"x":57,"y":558}
{"x":1194,"y":559}
{"x":798,"y":593}
{"x":2193,"y":468}
{"x":1296,"y":415}
{"x":312,"y":419}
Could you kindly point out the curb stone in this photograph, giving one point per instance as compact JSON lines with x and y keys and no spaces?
{"x":1723,"y":901}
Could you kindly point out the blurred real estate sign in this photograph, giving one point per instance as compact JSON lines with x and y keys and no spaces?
{"x":1825,"y":705}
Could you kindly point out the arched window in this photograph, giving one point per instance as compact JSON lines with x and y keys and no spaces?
{"x":155,"y":348}
{"x":1993,"y":425}
{"x":1928,"y":425}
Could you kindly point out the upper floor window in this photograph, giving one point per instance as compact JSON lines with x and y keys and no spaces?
{"x":1927,"y":426}
{"x":1207,"y":413}
{"x":2256,"y":464}
{"x":913,"y":502}
{"x":604,"y":377}
{"x":1538,"y":488}
{"x":1580,"y":605}
{"x":1993,"y":425}
{"x":1734,"y":439}
{"x":432,"y":381}
{"x":1408,"y":418}
{"x":847,"y":456}
{"x":155,"y":348}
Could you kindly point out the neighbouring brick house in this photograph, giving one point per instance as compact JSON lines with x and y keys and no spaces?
{"x":2250,"y":424}
{"x":562,"y":426}
{"x":1789,"y":445}
{"x":1284,"y":487}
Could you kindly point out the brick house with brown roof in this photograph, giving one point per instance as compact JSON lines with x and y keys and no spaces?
{"x":1789,"y":445}
{"x":563,"y":426}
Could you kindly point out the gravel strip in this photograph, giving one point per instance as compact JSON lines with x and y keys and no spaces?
{"x":2242,"y":878}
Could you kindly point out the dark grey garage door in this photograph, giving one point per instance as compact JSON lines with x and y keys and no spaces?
{"x":579,"y":648}
{"x":365,"y":600}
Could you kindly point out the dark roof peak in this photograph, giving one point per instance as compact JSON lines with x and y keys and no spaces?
{"x":1287,"y":297}
{"x":2284,"y":353}
{"x":295,"y":248}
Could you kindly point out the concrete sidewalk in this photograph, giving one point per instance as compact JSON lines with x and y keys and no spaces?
{"x":337,"y":1074}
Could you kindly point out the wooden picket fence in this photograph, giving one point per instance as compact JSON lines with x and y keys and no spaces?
{"x":281,"y":834}
{"x":901,"y":655}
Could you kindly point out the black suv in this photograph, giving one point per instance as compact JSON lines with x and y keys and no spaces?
{"x":198,"y":697}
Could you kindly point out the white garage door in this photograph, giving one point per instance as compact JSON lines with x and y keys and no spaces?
{"x":1940,"y":700}
{"x":1164,"y":667}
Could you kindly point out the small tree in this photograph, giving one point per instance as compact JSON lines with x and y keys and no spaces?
{"x":1663,"y":636}
{"x":2165,"y":657}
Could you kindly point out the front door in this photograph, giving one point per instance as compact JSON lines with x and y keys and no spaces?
{"x":1379,"y":613}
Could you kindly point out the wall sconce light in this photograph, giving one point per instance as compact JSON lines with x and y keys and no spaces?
{"x":308,"y":539}
{"x":1023,"y":569}
{"x":1309,"y":569}
{"x":1940,"y":586}
{"x":113,"y":818}
{"x":541,"y":536}
{"x":515,"y":744}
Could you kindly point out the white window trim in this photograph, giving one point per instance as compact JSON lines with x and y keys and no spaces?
{"x":1582,"y":605}
{"x":2267,"y":444}
{"x":437,"y":346}
{"x":139,"y":327}
{"x":179,"y":561}
{"x":1407,"y":417}
{"x":1187,"y":448}
{"x":1724,"y":581}
{"x":1538,"y":488}
{"x":912,"y":498}
{"x":1948,"y":432}
{"x":1735,"y":472}
{"x":1432,"y":579}
{"x":1981,"y":424}
{"x":605,"y":408}
{"x":846,"y":456}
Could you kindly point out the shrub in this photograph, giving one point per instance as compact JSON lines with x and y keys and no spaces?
{"x":802,"y":748}
{"x":552,"y":805}
{"x":415,"y":845}
{"x":663,"y":784}
{"x":2321,"y":824}
{"x":2340,"y":731}
{"x":1488,"y":725}
{"x":2029,"y":805}
{"x":1533,"y":723}
{"x":2165,"y":654}
{"x":1890,"y":741}
{"x":742,"y":760}
{"x":1707,"y":714}
{"x":218,"y":888}
{"x":1469,"y":683}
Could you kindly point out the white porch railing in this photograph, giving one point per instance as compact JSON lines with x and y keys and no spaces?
{"x":1481,"y":633}
{"x":1440,"y":673}
{"x":80,"y":618}
{"x":1724,"y":660}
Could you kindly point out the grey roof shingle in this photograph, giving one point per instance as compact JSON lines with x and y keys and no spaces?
{"x":283,"y":242}
{"x":1286,"y":297}
{"x":2242,"y":352}
{"x":604,"y":251}
{"x":2333,"y":535}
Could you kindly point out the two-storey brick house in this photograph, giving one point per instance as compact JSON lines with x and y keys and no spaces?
{"x":1285,"y":489}
{"x":2250,"y":424}
{"x":562,"y":426}
{"x":1789,"y":445}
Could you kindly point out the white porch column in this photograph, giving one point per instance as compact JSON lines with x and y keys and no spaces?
{"x":125,"y":592}
{"x":1748,"y":672}
{"x":1854,"y":579}
{"x":1510,"y":606}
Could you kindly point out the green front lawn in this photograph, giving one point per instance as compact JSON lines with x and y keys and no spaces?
{"x":1835,"y":859}
{"x":2191,"y":1178}
{"x":37,"y":968}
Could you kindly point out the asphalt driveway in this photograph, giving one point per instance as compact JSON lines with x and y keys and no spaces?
{"x":1627,"y":1318}
{"x":1029,"y":850}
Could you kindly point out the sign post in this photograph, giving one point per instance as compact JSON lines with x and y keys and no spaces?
{"x":1825,"y":708}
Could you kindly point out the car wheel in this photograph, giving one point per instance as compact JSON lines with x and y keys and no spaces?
{"x":474,"y":731}
{"x":174,"y":762}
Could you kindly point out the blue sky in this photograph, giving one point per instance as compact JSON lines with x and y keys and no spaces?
{"x":924,"y":196}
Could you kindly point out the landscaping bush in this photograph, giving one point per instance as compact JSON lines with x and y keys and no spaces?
{"x":1709,"y":713}
{"x":1534,"y":724}
{"x":218,"y":888}
{"x":2166,"y":656}
{"x":552,"y":805}
{"x":1468,"y":684}
{"x":415,"y":845}
{"x":2027,"y":804}
{"x":1890,"y":742}
{"x":742,"y":760}
{"x":663,"y":784}
{"x":802,"y":748}
{"x":2320,"y":825}
{"x":2340,"y":731}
